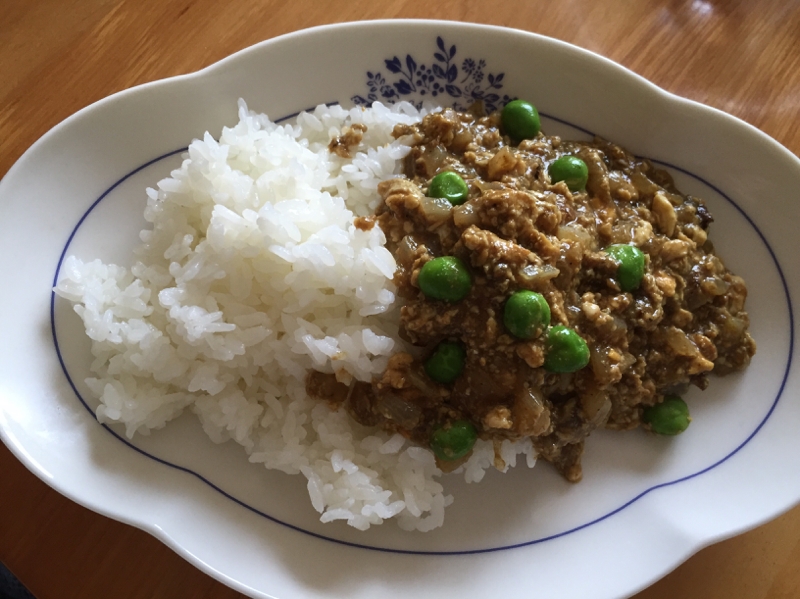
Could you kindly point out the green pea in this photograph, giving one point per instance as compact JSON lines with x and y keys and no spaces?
{"x":450,"y":186}
{"x":520,"y":120}
{"x":566,"y":350}
{"x":570,"y":169}
{"x":526,"y":314}
{"x":445,"y":278}
{"x":630,"y":269}
{"x":446,"y":362}
{"x":670,"y":417}
{"x":454,"y":441}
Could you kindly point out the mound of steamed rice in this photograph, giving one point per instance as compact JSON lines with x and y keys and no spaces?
{"x":252,"y":274}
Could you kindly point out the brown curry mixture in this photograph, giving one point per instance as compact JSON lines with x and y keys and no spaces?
{"x":519,"y":231}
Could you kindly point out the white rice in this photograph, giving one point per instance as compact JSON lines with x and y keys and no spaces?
{"x":252,"y":274}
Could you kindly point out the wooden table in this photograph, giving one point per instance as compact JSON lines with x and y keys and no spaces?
{"x":57,"y":56}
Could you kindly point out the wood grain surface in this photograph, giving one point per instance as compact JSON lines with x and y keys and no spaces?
{"x":57,"y":56}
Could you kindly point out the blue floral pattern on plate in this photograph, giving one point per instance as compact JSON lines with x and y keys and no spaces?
{"x":443,"y":77}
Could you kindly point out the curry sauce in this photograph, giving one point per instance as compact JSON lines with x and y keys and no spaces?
{"x":518,"y":230}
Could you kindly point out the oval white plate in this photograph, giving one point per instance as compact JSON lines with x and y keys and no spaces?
{"x":645,"y":504}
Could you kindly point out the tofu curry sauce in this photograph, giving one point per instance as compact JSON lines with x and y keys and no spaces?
{"x":526,"y":226}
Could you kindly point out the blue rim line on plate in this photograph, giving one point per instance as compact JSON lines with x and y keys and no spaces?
{"x":410,"y":551}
